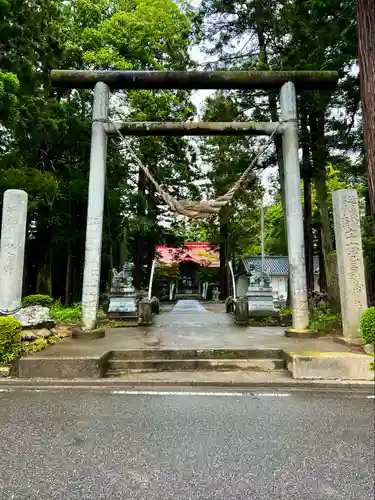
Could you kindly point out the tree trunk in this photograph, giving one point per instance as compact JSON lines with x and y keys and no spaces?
{"x":124,"y":247}
{"x":319,"y":158}
{"x":68,"y":279}
{"x":307,"y":202}
{"x":272,"y":104}
{"x":224,"y":257}
{"x":44,"y":279}
{"x":139,"y":243}
{"x":77,"y":270}
{"x":366,"y":56}
{"x":322,"y":271}
{"x":152,"y":214}
{"x":307,"y":223}
{"x":370,"y":261}
{"x":25,"y":278}
{"x":329,"y":256}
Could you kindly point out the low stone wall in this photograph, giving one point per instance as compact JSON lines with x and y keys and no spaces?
{"x":329,"y":365}
{"x":63,"y":368}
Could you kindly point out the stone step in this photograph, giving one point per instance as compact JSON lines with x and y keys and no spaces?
{"x":187,"y":296}
{"x":170,"y":354}
{"x":142,"y":365}
{"x":202,"y":379}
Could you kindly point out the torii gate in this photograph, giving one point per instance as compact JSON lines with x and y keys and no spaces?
{"x":286,"y":81}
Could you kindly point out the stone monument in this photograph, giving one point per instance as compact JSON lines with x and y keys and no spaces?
{"x":259,"y":295}
{"x":12,"y":250}
{"x":123,"y":298}
{"x":349,"y":261}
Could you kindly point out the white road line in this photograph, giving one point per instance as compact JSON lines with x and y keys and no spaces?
{"x":189,"y":393}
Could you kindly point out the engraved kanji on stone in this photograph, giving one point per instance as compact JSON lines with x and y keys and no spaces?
{"x":349,"y":260}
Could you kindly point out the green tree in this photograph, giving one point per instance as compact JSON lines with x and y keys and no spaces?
{"x":296,"y":35}
{"x":46,"y":149}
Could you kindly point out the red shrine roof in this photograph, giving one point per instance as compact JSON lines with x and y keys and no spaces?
{"x":200,"y":252}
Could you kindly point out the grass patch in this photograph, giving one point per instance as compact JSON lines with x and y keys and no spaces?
{"x":71,"y":315}
{"x":68,"y":315}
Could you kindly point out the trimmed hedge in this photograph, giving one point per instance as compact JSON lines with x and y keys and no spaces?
{"x":368,"y":326}
{"x":10,"y":338}
{"x":37,"y":300}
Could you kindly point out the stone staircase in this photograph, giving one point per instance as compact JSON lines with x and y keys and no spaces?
{"x":124,"y":362}
{"x":188,"y":296}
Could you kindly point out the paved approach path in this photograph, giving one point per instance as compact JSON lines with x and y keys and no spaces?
{"x":85,"y":445}
{"x":189,"y":325}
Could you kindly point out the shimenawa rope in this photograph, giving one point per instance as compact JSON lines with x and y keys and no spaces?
{"x":194,"y":209}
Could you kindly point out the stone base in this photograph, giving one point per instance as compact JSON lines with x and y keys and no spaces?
{"x":260,"y":303}
{"x":79,"y":334}
{"x":329,"y":365}
{"x":263,"y":313}
{"x":123,"y":304}
{"x":118,"y":316}
{"x":350,"y":342}
{"x":301,"y":334}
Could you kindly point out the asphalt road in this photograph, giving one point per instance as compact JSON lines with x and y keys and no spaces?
{"x":76,"y":444}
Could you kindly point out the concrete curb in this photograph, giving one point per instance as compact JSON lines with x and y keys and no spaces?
{"x":8,"y":384}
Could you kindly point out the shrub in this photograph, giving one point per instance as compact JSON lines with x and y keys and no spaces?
{"x":10,"y":338}
{"x":62,"y":314}
{"x":368,"y":326}
{"x":325,"y":320}
{"x":37,"y":300}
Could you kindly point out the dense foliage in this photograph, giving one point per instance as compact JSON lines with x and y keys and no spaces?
{"x":368,"y":326}
{"x":45,"y":132}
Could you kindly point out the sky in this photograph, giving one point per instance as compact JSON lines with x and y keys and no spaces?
{"x":200,"y":57}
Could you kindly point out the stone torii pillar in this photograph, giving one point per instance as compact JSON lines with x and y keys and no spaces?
{"x":94,"y":228}
{"x":293,"y":206}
